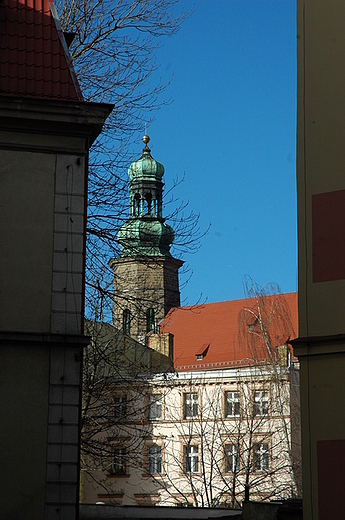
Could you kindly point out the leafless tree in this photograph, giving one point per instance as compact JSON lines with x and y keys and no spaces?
{"x":113,"y":53}
{"x":245,"y":430}
{"x":221,"y":453}
{"x":239,"y":427}
{"x":266,"y":328}
{"x":224,"y":430}
{"x":116,"y":398}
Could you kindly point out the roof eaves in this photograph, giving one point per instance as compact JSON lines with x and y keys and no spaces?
{"x":62,"y":39}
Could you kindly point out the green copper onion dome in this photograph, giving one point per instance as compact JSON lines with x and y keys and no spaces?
{"x":142,"y":237}
{"x":145,"y":232}
{"x":146,"y":168}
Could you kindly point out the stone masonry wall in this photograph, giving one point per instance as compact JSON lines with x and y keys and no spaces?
{"x":143,"y":284}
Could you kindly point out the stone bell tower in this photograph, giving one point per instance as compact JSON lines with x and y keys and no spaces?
{"x":146,"y":282}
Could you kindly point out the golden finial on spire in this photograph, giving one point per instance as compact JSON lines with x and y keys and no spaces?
{"x":146,"y":140}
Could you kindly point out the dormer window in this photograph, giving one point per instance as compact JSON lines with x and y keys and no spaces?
{"x":200,"y":356}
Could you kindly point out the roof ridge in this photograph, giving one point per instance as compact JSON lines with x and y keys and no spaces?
{"x":249,"y":298}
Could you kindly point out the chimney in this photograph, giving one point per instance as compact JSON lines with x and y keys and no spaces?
{"x":163,"y":343}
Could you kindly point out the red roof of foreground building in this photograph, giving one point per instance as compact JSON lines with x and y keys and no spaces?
{"x":34,"y":59}
{"x":228,"y":334}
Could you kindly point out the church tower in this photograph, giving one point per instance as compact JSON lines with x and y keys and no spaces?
{"x":146,"y":282}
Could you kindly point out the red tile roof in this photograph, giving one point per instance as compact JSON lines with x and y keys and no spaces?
{"x":34,"y":59}
{"x":227,"y":334}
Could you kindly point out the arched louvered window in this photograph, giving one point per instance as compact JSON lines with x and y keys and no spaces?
{"x":136,"y":207}
{"x":150,"y":320}
{"x":126,"y":321}
{"x":148,"y":204}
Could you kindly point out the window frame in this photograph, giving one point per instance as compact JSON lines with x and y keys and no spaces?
{"x":190,"y":455}
{"x":119,"y":414}
{"x":156,"y":459}
{"x":152,"y":406}
{"x":119,"y":468}
{"x":261,"y":453}
{"x":234,"y":402}
{"x":260,"y":403}
{"x":126,"y":321}
{"x":235,"y":466}
{"x":190,"y":404}
{"x":150,"y":320}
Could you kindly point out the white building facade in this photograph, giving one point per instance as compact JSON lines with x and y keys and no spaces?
{"x":196,"y":438}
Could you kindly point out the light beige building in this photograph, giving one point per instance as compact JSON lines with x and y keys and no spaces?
{"x":227,"y":417}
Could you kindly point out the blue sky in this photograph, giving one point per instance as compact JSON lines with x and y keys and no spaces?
{"x":231,"y":131}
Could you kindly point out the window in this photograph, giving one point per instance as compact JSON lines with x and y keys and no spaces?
{"x":191,"y":459}
{"x":202,"y":354}
{"x":155,"y":460}
{"x":149,"y":499}
{"x":119,"y":462}
{"x":126,"y":321}
{"x":232,"y":404}
{"x":260,"y":457}
{"x":137,"y":204}
{"x":150,"y":320}
{"x":148,"y":203}
{"x":155,"y":408}
{"x":119,"y":408}
{"x":232,"y":458}
{"x":190,"y":406}
{"x":260,"y":403}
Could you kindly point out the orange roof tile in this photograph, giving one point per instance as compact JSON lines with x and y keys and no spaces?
{"x":227,"y":334}
{"x":34,"y":59}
